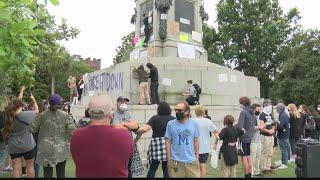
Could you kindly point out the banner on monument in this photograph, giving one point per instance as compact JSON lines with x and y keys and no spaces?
{"x":197,"y":36}
{"x":163,"y":16}
{"x":185,"y":21}
{"x":186,"y":51}
{"x":166,"y":81}
{"x":184,"y":37}
{"x":223,"y":77}
{"x":200,"y":49}
{"x":173,"y":27}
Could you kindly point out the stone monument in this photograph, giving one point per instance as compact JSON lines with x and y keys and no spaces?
{"x":176,"y":49}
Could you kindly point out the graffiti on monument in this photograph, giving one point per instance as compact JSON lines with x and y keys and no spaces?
{"x":107,"y":82}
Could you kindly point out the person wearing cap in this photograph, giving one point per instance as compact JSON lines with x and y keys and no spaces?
{"x":99,"y":150}
{"x":283,"y":135}
{"x":267,"y":139}
{"x":54,"y":128}
{"x":17,"y":136}
{"x":122,"y":119}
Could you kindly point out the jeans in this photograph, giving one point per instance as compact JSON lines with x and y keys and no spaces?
{"x":60,"y":170}
{"x":154,"y":92}
{"x":3,"y":155}
{"x":36,"y":170}
{"x":285,"y":150}
{"x":154,"y":166}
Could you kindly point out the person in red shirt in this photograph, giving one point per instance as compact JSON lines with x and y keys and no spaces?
{"x":99,"y":150}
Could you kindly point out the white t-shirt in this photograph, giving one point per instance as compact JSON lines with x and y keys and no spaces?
{"x":206,"y":126}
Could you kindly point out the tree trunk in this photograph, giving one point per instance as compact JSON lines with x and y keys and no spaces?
{"x":53,"y":79}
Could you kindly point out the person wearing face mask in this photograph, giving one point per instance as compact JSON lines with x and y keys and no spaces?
{"x":122,"y":119}
{"x":54,"y":128}
{"x":95,"y":154}
{"x":255,"y":146}
{"x":182,"y":144}
{"x":283,"y":135}
{"x":246,"y":121}
{"x":267,"y":139}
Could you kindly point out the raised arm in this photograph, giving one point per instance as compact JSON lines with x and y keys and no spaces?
{"x":20,"y":96}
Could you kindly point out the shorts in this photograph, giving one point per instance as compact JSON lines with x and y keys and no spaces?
{"x":244,"y":149}
{"x":203,"y":158}
{"x":27,"y":155}
{"x":73,"y":92}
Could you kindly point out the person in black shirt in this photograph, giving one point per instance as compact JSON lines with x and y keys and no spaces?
{"x":229,"y":155}
{"x":267,"y":139}
{"x":147,"y":29}
{"x":295,"y":128}
{"x":154,"y":76}
{"x":158,"y":124}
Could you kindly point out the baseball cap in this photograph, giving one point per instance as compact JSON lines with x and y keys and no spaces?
{"x":266,"y":102}
{"x":122,"y":98}
{"x":100,"y":106}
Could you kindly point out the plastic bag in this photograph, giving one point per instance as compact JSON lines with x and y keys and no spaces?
{"x":214,"y":159}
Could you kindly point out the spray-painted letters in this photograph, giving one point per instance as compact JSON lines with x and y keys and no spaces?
{"x":106,"y":82}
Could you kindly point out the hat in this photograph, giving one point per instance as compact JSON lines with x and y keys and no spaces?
{"x":100,"y":106}
{"x":280,"y":107}
{"x":55,"y":100}
{"x":266,"y":102}
{"x":122,"y":98}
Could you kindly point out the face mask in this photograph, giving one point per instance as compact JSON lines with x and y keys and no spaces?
{"x":318,"y":108}
{"x":124,"y":107}
{"x":257,"y":113}
{"x":267,"y":110}
{"x":300,"y":110}
{"x":241,"y":106}
{"x":180,"y":116}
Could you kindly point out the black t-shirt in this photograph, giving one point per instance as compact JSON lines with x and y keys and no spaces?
{"x":268,"y":121}
{"x":158,"y":124}
{"x":230,"y":134}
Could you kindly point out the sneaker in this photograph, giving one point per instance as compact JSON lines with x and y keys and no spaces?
{"x":278,"y":162}
{"x":283,"y":166}
{"x":7,"y":169}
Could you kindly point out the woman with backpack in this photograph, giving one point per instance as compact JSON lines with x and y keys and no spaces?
{"x":18,"y":137}
{"x":308,"y":125}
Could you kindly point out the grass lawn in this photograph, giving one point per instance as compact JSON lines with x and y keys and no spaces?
{"x":285,"y":173}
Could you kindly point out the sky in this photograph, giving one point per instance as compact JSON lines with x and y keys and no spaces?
{"x":104,"y":22}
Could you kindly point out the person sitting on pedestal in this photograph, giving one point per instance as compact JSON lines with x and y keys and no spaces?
{"x":191,"y":94}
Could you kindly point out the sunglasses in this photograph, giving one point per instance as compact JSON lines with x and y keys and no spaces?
{"x":179,"y":110}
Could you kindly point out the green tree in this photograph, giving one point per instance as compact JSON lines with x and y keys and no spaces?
{"x":211,"y":42}
{"x":299,"y":79}
{"x":252,"y":34}
{"x":123,"y":51}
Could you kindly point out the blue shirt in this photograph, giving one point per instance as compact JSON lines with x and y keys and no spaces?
{"x":182,"y":137}
{"x":206,"y":126}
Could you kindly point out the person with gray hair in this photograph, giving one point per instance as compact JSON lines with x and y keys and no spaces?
{"x":283,"y":135}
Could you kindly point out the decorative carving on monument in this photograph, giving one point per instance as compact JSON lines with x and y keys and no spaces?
{"x":163,"y":7}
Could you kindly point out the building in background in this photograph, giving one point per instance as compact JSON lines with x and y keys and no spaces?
{"x":94,"y":63}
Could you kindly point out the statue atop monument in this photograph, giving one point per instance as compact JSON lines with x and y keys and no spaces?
{"x":169,"y":28}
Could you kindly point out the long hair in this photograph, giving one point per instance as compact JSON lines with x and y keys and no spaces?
{"x":305,"y":108}
{"x":294,"y":111}
{"x":10,"y":111}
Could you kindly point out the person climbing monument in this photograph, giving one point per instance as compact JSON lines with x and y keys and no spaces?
{"x":147,"y":29}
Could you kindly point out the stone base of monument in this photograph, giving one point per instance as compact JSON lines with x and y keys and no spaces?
{"x":220,"y":85}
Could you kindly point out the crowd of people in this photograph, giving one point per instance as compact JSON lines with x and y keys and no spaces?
{"x":102,"y":143}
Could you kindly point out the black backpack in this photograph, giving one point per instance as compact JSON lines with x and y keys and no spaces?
{"x":310,"y":123}
{"x":198,"y":88}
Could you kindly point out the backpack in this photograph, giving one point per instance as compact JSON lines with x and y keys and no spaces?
{"x":197,"y":88}
{"x":310,"y":123}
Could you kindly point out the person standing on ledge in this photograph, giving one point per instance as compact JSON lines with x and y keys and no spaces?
{"x":142,"y":76}
{"x":147,"y":29}
{"x":154,"y":76}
